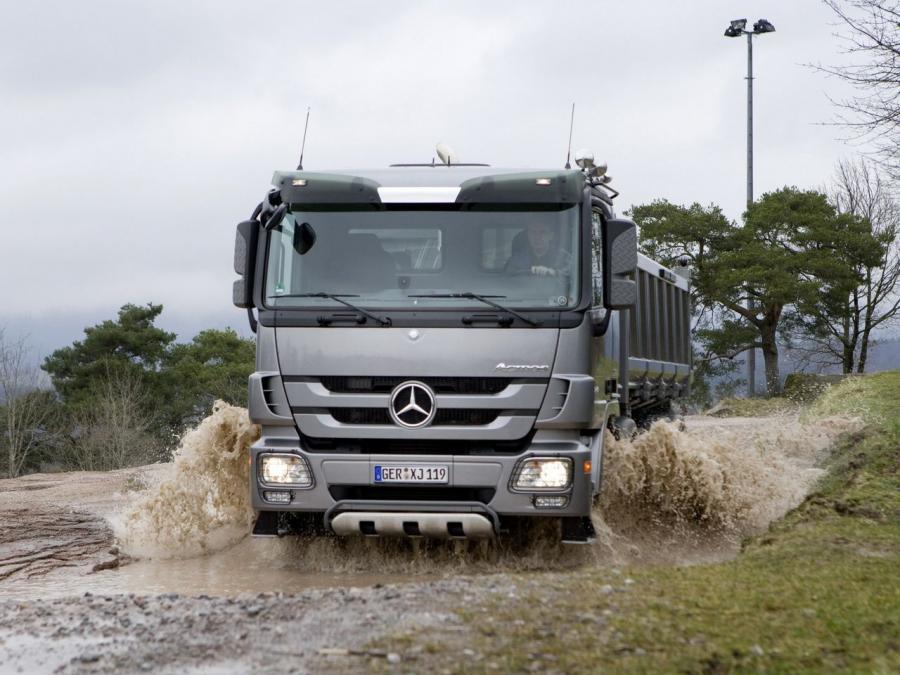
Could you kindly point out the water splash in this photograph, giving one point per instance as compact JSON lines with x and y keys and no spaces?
{"x":669,"y":496}
{"x":202,"y":503}
{"x":672,"y":495}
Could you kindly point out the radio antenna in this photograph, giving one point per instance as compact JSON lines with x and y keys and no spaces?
{"x":303,"y":145}
{"x":571,"y":126}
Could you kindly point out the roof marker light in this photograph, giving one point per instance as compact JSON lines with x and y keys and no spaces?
{"x":542,"y":181}
{"x":299,"y":182}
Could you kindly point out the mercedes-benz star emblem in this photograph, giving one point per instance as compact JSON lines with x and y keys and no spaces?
{"x":412,"y":405}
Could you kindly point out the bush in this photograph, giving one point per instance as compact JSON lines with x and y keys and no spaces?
{"x":807,"y":387}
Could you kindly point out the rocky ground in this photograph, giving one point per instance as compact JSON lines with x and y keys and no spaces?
{"x":318,"y":630}
{"x":71,"y":602}
{"x":55,"y":542}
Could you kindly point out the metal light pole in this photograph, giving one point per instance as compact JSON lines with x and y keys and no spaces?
{"x":736,"y":29}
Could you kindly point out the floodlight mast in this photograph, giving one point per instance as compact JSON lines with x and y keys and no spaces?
{"x":735,"y":29}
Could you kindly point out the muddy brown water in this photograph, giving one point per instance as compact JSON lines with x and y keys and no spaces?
{"x":249,"y":567}
{"x":671,"y":496}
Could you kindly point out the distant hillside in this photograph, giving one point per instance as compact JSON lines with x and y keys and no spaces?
{"x":884,"y":356}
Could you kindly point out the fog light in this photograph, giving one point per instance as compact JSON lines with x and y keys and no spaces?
{"x":544,"y":473}
{"x":554,"y":502}
{"x":277,"y":497}
{"x":287,"y":470}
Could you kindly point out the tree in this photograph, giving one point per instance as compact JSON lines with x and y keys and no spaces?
{"x":27,"y":408}
{"x":669,"y":232}
{"x":873,"y":41}
{"x":214,"y":365}
{"x":836,"y":329}
{"x":131,"y":344}
{"x":113,"y":430}
{"x":780,"y":257}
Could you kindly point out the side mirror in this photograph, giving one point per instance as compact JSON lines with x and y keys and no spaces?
{"x":304,"y":238}
{"x":619,"y":264}
{"x":245,"y":262}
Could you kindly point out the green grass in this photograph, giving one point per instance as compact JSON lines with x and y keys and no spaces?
{"x":818,"y":592}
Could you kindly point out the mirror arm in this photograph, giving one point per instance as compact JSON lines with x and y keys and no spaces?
{"x":275,"y":217}
{"x":252,"y":319}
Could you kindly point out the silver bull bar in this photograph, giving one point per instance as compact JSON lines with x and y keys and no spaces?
{"x":413,"y":524}
{"x":389,"y":518}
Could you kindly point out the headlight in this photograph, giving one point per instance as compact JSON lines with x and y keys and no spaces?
{"x":544,"y":473}
{"x":287,"y":470}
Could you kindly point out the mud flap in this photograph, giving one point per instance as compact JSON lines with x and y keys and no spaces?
{"x":578,"y":530}
{"x":266,"y":524}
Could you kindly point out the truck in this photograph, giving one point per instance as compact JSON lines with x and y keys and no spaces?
{"x":441,"y":348}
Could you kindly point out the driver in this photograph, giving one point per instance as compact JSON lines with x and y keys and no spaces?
{"x":538,"y":252}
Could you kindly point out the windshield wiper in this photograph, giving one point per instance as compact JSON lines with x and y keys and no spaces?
{"x":338,"y":298}
{"x":468,"y":295}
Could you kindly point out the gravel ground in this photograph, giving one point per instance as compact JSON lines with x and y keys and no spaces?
{"x":315,"y":631}
{"x":55,"y":544}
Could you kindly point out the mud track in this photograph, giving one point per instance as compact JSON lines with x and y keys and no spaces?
{"x":34,"y":543}
{"x":71,"y":602}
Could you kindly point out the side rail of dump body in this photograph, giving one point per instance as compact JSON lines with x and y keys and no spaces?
{"x":657,"y":337}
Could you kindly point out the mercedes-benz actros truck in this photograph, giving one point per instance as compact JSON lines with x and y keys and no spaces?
{"x":442,"y":347}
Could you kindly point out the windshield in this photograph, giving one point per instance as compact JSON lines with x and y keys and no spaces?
{"x":524,"y":259}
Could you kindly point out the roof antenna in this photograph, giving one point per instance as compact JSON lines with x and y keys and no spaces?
{"x":303,"y":145}
{"x":571,"y":126}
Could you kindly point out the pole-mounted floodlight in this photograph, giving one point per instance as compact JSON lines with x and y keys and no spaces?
{"x":736,"y":29}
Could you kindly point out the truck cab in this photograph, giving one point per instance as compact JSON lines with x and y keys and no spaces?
{"x":439,"y":348}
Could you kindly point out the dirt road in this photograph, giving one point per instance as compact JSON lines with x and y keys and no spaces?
{"x":71,"y":599}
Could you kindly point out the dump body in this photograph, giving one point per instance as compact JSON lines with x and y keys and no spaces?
{"x":438,"y":348}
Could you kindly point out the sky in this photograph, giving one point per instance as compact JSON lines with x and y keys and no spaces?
{"x":134,"y":136}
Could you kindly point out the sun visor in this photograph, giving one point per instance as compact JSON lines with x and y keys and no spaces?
{"x":304,"y":187}
{"x":533,"y":187}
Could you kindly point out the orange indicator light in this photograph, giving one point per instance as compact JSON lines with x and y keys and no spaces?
{"x":587,"y":466}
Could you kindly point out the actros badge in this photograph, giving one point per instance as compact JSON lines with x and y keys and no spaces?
{"x":412,"y":405}
{"x":521,"y":366}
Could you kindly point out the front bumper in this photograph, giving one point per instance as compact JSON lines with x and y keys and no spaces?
{"x":343,"y":483}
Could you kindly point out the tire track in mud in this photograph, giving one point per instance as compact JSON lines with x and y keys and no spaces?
{"x":35,"y":543}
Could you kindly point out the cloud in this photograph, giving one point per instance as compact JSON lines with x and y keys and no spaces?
{"x":136,"y":135}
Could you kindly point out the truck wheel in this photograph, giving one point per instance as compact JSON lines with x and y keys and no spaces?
{"x":623,"y":428}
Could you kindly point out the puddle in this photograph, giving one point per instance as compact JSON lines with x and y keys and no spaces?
{"x":671,"y":497}
{"x":250,"y":567}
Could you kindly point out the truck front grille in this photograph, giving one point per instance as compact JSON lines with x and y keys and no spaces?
{"x":443,"y":417}
{"x":398,"y":446}
{"x":342,"y":384}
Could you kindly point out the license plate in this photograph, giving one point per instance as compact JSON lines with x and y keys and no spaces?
{"x":411,"y":473}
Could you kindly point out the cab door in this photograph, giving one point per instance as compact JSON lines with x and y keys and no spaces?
{"x":604,"y":367}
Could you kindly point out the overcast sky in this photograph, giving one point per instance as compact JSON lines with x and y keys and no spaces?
{"x":135,"y":135}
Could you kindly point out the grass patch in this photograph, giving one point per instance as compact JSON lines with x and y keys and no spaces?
{"x":819,"y":591}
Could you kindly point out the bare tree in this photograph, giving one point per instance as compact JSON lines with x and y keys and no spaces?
{"x":840,"y":332}
{"x":113,"y":432}
{"x":26,"y":408}
{"x":872,"y":39}
{"x":861,"y":190}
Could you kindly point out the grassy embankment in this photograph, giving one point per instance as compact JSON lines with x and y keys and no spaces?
{"x":820,"y":591}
